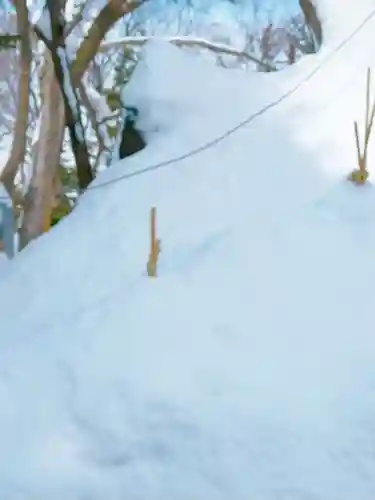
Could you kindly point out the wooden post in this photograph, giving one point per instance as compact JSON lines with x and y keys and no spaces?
{"x":155,"y":247}
{"x":153,"y":233}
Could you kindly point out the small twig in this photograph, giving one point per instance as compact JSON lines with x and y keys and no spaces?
{"x":357,"y":144}
{"x":360,"y":175}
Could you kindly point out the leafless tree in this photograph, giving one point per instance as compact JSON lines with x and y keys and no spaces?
{"x":18,"y":150}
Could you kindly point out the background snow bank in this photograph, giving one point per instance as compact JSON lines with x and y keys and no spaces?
{"x":246,"y":370}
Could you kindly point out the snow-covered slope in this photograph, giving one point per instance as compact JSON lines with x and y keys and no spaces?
{"x":246,"y":370}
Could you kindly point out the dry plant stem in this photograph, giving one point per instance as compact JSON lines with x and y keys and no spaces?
{"x":368,"y":82}
{"x":359,"y":156}
{"x":360,"y":175}
{"x":369,"y":117}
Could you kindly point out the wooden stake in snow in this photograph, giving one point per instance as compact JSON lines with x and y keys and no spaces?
{"x":155,"y":248}
{"x":360,"y":175}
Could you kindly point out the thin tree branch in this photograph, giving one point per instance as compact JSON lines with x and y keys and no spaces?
{"x":187,"y":41}
{"x":107,"y":17}
{"x":18,"y":150}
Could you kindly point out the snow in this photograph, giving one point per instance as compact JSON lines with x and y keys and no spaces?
{"x":102,"y":111}
{"x":140,"y":40}
{"x":5,"y":147}
{"x":246,"y":370}
{"x":40,"y":16}
{"x":184,"y":41}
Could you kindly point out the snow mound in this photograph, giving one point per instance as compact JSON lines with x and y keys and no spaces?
{"x":247,"y":368}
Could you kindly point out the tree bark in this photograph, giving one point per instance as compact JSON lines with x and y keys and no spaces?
{"x":69,"y":75}
{"x":69,"y":93}
{"x":39,"y":198}
{"x":312,"y":20}
{"x":18,"y":149}
{"x":76,"y":132}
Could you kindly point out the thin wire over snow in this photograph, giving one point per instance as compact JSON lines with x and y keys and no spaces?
{"x":243,"y":123}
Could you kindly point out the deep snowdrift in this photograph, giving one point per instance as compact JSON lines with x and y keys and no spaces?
{"x":247,"y":369}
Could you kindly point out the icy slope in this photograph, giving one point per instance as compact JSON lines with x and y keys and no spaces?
{"x":247,"y":369}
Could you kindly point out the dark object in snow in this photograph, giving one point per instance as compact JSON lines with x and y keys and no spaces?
{"x":132,"y":140}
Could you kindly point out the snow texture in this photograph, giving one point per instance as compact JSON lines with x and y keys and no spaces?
{"x":5,"y":146}
{"x":40,"y":16}
{"x":246,"y":370}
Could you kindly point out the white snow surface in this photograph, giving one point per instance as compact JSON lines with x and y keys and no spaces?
{"x":246,"y":370}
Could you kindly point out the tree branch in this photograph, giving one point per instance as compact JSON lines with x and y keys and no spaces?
{"x":17,"y":154}
{"x":92,"y":115}
{"x":105,"y":20}
{"x":187,"y":41}
{"x":312,"y":19}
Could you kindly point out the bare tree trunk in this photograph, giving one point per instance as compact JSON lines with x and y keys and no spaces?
{"x":312,"y":20}
{"x":39,"y":198}
{"x":73,"y":121}
{"x":62,"y":67}
{"x":18,"y":150}
{"x":69,"y":75}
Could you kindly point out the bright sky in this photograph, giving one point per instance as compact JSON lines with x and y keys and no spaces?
{"x":224,"y":11}
{"x":262,"y":5}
